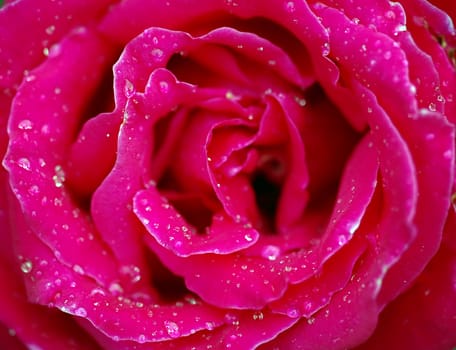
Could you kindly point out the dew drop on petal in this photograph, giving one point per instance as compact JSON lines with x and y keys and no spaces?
{"x":290,"y":7}
{"x":248,"y":237}
{"x":78,"y":269}
{"x":129,"y":89}
{"x":80,"y":312}
{"x":293,"y":313}
{"x":50,"y":30}
{"x":157,"y":53}
{"x":172,"y":328}
{"x":26,"y":266}
{"x":25,"y":124}
{"x":59,"y":177}
{"x":24,"y":163}
{"x":270,"y":252}
{"x":342,"y":240}
{"x":258,"y":316}
{"x":115,"y":288}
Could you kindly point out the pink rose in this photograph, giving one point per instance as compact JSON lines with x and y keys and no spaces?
{"x":227,"y":174}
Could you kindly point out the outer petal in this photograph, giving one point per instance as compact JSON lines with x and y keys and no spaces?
{"x":44,"y":117}
{"x":50,"y":20}
{"x":425,"y":316}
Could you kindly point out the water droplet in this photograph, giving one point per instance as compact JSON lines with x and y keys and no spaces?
{"x":229,"y":95}
{"x":129,"y":89}
{"x":432,"y":107}
{"x":448,"y":154}
{"x":50,"y":30}
{"x":300,"y":101}
{"x":80,"y":312}
{"x":97,"y":291}
{"x":157,"y":53}
{"x":172,"y":328}
{"x":115,"y":288}
{"x":248,"y":237}
{"x":78,"y":269}
{"x":325,"y":50}
{"x":258,"y":316}
{"x":399,"y":28}
{"x":24,"y":163}
{"x":26,"y":266}
{"x":59,"y":177}
{"x":342,"y":240}
{"x":290,"y":7}
{"x":34,"y":189}
{"x":387,"y":55}
{"x":142,"y":338}
{"x":293,"y":313}
{"x":25,"y":124}
{"x":164,"y":87}
{"x":210,"y":326}
{"x":270,"y":252}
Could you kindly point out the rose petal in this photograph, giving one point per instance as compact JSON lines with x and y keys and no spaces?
{"x":123,"y":231}
{"x":172,"y":232}
{"x":423,"y":317}
{"x":306,"y":298}
{"x":43,"y":121}
{"x":93,"y":154}
{"x":243,"y":282}
{"x":434,"y":157}
{"x":50,"y":21}
{"x":357,"y":187}
{"x":51,"y":283}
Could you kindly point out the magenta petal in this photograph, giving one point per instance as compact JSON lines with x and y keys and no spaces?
{"x":306,"y":298}
{"x":51,"y":283}
{"x":251,"y":329}
{"x":373,"y":59}
{"x":355,"y":193}
{"x":294,"y":196}
{"x":433,"y":151}
{"x":93,"y":154}
{"x":32,"y":324}
{"x":346,"y":321}
{"x":50,"y":21}
{"x":172,"y":232}
{"x":243,"y":282}
{"x":423,"y":317}
{"x":43,"y":122}
{"x":112,"y":202}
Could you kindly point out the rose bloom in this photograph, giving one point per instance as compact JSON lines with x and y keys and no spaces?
{"x":227,"y":174}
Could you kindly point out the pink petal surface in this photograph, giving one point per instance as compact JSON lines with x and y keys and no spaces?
{"x":172,"y":232}
{"x":51,"y":21}
{"x":32,"y":325}
{"x":424,"y":316}
{"x":348,"y":319}
{"x":109,"y":312}
{"x":93,"y":154}
{"x":377,"y":241}
{"x":355,"y":193}
{"x":41,"y":125}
